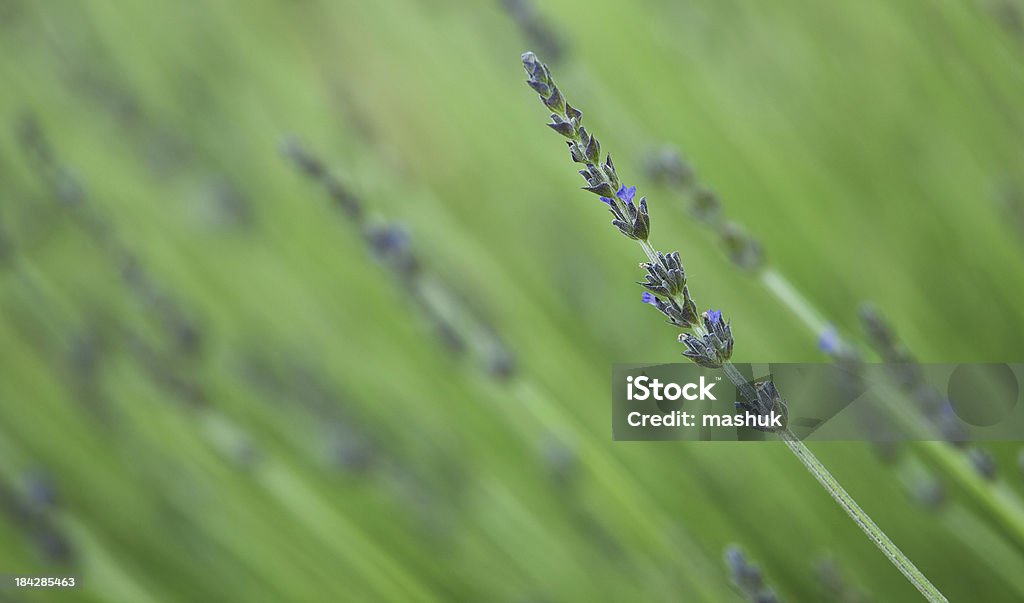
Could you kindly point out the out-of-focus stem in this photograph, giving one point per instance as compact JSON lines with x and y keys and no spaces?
{"x":789,"y":296}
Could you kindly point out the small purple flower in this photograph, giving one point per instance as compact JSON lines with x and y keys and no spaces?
{"x":626,"y":193}
{"x":714,"y":316}
{"x":828,"y":341}
{"x":390,"y":239}
{"x":608,"y":201}
{"x":648,"y":298}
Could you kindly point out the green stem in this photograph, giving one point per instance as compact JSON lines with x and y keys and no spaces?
{"x":741,"y":383}
{"x":859,"y":517}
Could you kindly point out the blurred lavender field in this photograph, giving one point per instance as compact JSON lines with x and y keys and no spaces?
{"x":299,"y":301}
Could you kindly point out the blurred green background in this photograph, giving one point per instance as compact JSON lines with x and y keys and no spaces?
{"x":211,"y":391}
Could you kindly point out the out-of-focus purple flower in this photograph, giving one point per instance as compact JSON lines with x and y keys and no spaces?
{"x":828,"y":341}
{"x":648,"y":298}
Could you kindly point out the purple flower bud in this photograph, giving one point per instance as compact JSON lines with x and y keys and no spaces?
{"x":648,"y":298}
{"x":714,"y":316}
{"x":530,"y":62}
{"x":608,"y":201}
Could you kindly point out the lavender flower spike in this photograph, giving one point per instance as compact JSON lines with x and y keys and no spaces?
{"x":710,"y":341}
{"x":747,"y":577}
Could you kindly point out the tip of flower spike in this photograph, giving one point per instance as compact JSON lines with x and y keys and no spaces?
{"x":714,"y":316}
{"x":648,"y":298}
